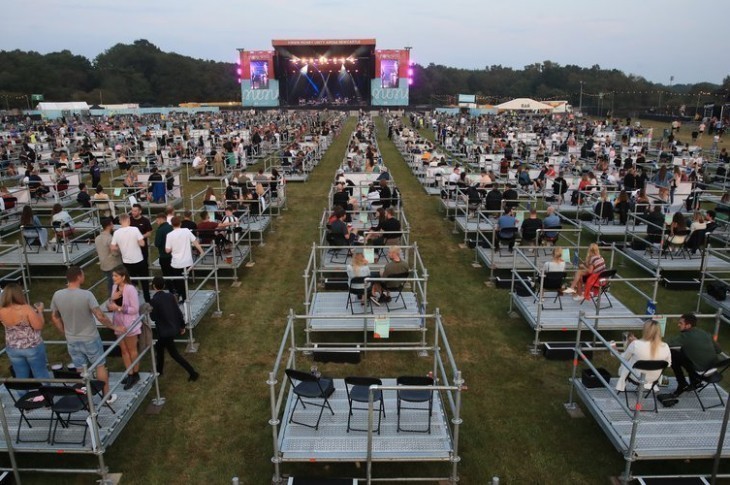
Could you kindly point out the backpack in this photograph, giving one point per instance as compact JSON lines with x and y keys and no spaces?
{"x":717,"y":290}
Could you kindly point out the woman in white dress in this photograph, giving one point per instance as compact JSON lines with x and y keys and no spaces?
{"x":648,"y":347}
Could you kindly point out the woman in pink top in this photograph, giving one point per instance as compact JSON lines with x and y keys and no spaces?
{"x":124,"y":303}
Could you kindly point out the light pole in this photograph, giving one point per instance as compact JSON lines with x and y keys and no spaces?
{"x":580,"y":101}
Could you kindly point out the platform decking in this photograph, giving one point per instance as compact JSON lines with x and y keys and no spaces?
{"x":332,"y":303}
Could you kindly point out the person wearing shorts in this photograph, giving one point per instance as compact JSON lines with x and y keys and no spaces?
{"x":73,"y":312}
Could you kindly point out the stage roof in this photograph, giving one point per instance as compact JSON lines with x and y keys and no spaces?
{"x":320,"y":42}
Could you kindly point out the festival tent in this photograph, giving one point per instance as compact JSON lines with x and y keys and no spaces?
{"x":70,"y":106}
{"x":524,"y":104}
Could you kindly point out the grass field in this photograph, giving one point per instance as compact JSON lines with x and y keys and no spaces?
{"x":514,"y":426}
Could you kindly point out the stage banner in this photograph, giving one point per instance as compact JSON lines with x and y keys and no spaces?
{"x":258,"y":86}
{"x":390,"y":85}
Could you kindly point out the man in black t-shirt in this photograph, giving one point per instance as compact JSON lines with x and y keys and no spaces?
{"x":529,"y":228}
{"x":144,"y":225}
{"x":391,"y":230}
{"x":385,"y":194}
{"x":339,"y":231}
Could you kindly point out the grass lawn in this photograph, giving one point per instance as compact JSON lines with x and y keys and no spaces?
{"x":514,"y":426}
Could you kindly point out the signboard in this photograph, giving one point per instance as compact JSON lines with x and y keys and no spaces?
{"x":389,"y":87}
{"x":36,"y":97}
{"x":258,"y":86}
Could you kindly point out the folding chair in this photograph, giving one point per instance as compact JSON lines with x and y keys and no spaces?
{"x":506,"y":235}
{"x":553,"y":281}
{"x":60,"y":229}
{"x":551,"y":240}
{"x":335,"y":251}
{"x":31,"y":241}
{"x":600,"y":289}
{"x":66,"y":401}
{"x":358,"y":391}
{"x":415,"y":396}
{"x":309,"y":386}
{"x":360,"y":293}
{"x":646,"y":366}
{"x":97,"y":386}
{"x":677,"y":248}
{"x":32,"y":400}
{"x":399,"y":289}
{"x":710,"y":377}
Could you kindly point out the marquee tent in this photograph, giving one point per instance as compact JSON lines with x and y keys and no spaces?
{"x":524,"y":104}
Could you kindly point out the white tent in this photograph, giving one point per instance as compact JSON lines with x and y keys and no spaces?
{"x":524,"y":104}
{"x":70,"y":106}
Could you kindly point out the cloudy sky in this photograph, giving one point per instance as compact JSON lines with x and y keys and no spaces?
{"x":655,"y":39}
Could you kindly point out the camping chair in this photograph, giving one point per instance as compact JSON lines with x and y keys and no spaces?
{"x":358,"y":391}
{"x":553,"y":281}
{"x":397,"y":288}
{"x":360,"y":293}
{"x":97,"y":386}
{"x":25,"y":403}
{"x":415,"y":396}
{"x":66,"y":401}
{"x":308,"y":386}
{"x":645,"y":366}
{"x":710,"y":377}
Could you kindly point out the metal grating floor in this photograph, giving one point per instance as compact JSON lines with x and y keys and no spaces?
{"x":110,"y":424}
{"x":332,"y":442}
{"x":552,"y":318}
{"x":649,"y":263}
{"x":79,"y":252}
{"x":607,"y":229}
{"x":679,"y":432}
{"x":472,"y":225}
{"x":505,"y":259}
{"x":333,"y":303}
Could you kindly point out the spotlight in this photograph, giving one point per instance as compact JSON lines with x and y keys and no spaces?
{"x":410,"y":81}
{"x":410,"y":72}
{"x":304,"y":69}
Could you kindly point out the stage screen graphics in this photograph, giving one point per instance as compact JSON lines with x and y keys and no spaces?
{"x":257,"y":87}
{"x":390,"y":85}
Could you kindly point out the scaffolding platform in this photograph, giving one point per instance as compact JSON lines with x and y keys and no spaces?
{"x":198,"y":302}
{"x":723,"y":305}
{"x":332,"y":303}
{"x":552,"y":318}
{"x":333,"y":443}
{"x":110,"y":424}
{"x":506,"y":260}
{"x":652,"y":262}
{"x":681,"y":432}
{"x":611,"y":230}
{"x":72,"y":254}
{"x":474,"y":224}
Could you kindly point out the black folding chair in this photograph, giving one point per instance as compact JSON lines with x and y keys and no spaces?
{"x":508,"y":235}
{"x":309,"y":386}
{"x":97,"y":386}
{"x":399,"y":290}
{"x":643,"y":366}
{"x":360,"y":293}
{"x":415,"y":396}
{"x":66,"y":401}
{"x":553,"y":281}
{"x":358,"y":389}
{"x":32,"y":400}
{"x":710,"y":377}
{"x":603,"y":284}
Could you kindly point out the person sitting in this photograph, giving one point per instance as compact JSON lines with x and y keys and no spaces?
{"x":551,"y":221}
{"x":510,"y":197}
{"x":61,"y":221}
{"x":697,"y":352}
{"x":648,"y":347}
{"x":33,"y":231}
{"x":506,"y":229}
{"x":36,"y":187}
{"x":677,"y":232}
{"x":604,"y":209}
{"x":390,"y":230}
{"x":594,"y":265}
{"x":529,"y":229}
{"x":655,"y":225}
{"x":556,"y":264}
{"x":622,"y":206}
{"x":339,"y":232}
{"x":199,"y":164}
{"x":560,"y":188}
{"x":395,"y":266}
{"x":493,"y":199}
{"x":710,"y":220}
{"x":206,"y":228}
{"x":359,"y":269}
{"x":83,"y":197}
{"x":697,"y":232}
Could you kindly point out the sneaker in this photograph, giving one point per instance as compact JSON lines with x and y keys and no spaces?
{"x":133,"y":379}
{"x":569,"y":291}
{"x":385,"y":299}
{"x":112,"y":399}
{"x":125,"y":380}
{"x":578,"y":298}
{"x":375,"y":300}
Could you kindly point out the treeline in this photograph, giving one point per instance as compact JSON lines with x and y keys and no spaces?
{"x":136,"y":73}
{"x":142,"y":73}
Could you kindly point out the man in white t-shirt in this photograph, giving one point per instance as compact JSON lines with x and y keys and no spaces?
{"x":129,"y":241}
{"x":199,"y":164}
{"x":178,"y":244}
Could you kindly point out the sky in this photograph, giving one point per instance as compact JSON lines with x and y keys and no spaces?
{"x":649,"y":38}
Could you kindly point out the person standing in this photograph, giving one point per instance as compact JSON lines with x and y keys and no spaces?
{"x":72,"y":312}
{"x":163,"y":229}
{"x":23,"y":342}
{"x":124,"y":303}
{"x":145,"y":227}
{"x":129,"y":242}
{"x":169,"y":323}
{"x":178,"y":245}
{"x":95,"y":173}
{"x":108,"y":258}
